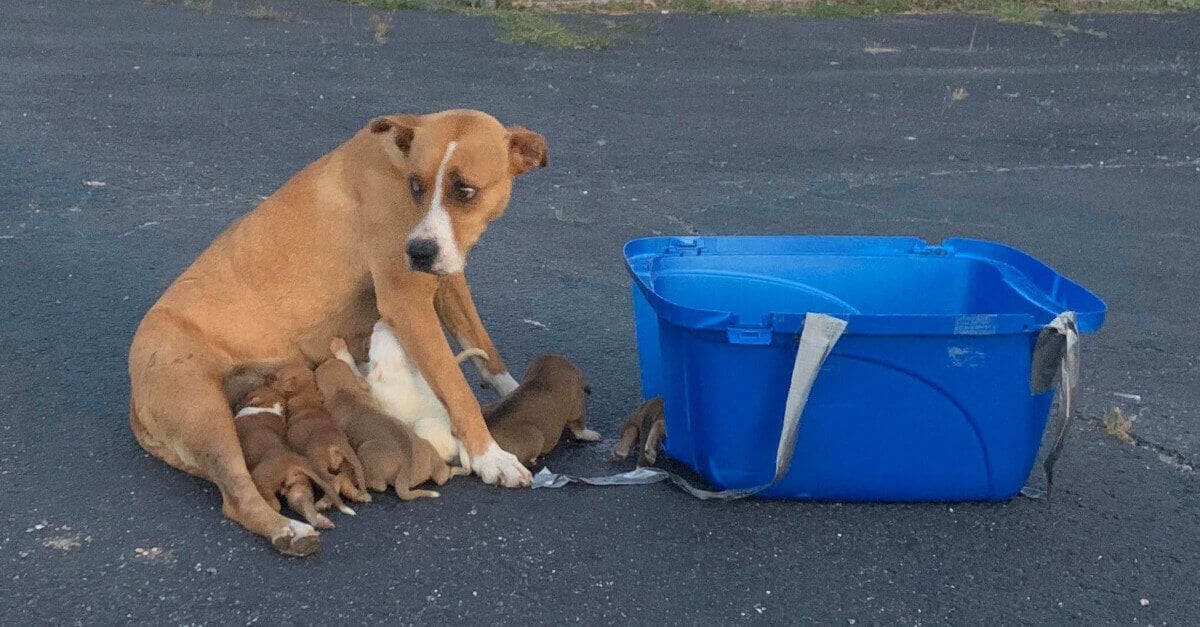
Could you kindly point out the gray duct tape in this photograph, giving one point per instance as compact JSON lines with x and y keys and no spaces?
{"x":1056,"y":356}
{"x":817,"y":339}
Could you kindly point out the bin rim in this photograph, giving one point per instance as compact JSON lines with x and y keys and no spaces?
{"x":1018,"y":269}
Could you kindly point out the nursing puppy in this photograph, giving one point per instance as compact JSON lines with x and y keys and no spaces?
{"x":646,"y":421}
{"x":312,"y":432}
{"x":275,"y":468}
{"x":529,"y":422}
{"x":396,"y":383}
{"x":391,"y":453}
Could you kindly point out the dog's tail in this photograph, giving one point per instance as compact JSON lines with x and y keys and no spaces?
{"x":469,"y":353}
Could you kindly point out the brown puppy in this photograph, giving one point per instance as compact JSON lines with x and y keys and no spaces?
{"x":275,"y":468}
{"x":313,"y":432}
{"x":391,"y":452}
{"x":347,"y":241}
{"x":647,"y":420}
{"x":529,"y":422}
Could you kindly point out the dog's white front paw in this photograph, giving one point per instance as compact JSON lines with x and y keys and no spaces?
{"x":498,"y":466}
{"x":297,"y":538}
{"x":503,"y":383}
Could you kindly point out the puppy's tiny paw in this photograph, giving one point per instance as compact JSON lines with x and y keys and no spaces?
{"x":497,"y":466}
{"x":587,"y":435}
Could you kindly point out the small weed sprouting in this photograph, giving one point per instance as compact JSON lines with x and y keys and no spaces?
{"x":380,"y":27}
{"x":1119,"y":426}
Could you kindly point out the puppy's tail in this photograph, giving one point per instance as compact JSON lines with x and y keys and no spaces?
{"x":469,"y":353}
{"x":326,"y":482}
{"x":356,"y":467}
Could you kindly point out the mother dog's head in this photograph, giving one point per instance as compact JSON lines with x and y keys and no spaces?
{"x":457,"y":168}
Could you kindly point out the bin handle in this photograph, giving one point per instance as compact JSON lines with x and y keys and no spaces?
{"x":820,"y":333}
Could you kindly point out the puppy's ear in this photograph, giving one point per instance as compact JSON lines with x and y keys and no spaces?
{"x":397,"y":128}
{"x":526,"y":150}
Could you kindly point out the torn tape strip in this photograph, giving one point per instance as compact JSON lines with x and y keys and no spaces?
{"x":1056,"y":356}
{"x":1068,"y":381}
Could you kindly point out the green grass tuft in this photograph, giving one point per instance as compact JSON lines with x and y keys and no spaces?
{"x":534,"y":27}
{"x":262,"y":12}
{"x":531,"y":29}
{"x":396,"y":5}
{"x":1017,"y":11}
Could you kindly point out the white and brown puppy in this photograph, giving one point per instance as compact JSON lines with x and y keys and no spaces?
{"x":380,"y":227}
{"x":399,"y":389}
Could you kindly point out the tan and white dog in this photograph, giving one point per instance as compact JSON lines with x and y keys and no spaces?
{"x":378,"y":228}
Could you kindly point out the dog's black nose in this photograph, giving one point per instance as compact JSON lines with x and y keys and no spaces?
{"x":422,"y":253}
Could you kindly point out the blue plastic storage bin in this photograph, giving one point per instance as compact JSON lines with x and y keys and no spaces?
{"x":925,"y":397}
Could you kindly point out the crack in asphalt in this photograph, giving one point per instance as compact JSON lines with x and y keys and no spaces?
{"x":1167,"y":455}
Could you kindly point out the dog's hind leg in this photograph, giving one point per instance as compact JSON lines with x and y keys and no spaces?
{"x":300,"y":498}
{"x":267,"y":483}
{"x":654,"y":439}
{"x":377,"y":465}
{"x":440,"y":471}
{"x":402,"y":482}
{"x":180,"y":414}
{"x":329,"y":497}
{"x":629,"y":437}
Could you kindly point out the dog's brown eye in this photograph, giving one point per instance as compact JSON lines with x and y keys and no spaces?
{"x":463,"y":193}
{"x":414,"y":186}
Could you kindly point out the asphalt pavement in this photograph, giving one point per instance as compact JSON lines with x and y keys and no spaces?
{"x":133,"y":132}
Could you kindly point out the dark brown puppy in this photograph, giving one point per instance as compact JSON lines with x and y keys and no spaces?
{"x":275,"y":468}
{"x":390,"y":451}
{"x":529,"y":422}
{"x":313,"y":432}
{"x":647,"y":420}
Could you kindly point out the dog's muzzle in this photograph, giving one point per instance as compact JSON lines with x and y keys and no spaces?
{"x":422,"y":254}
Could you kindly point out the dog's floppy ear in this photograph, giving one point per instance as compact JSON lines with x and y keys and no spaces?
{"x":398,"y":127}
{"x":526,"y":150}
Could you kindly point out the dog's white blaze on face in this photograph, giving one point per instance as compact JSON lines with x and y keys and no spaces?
{"x":437,"y":226}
